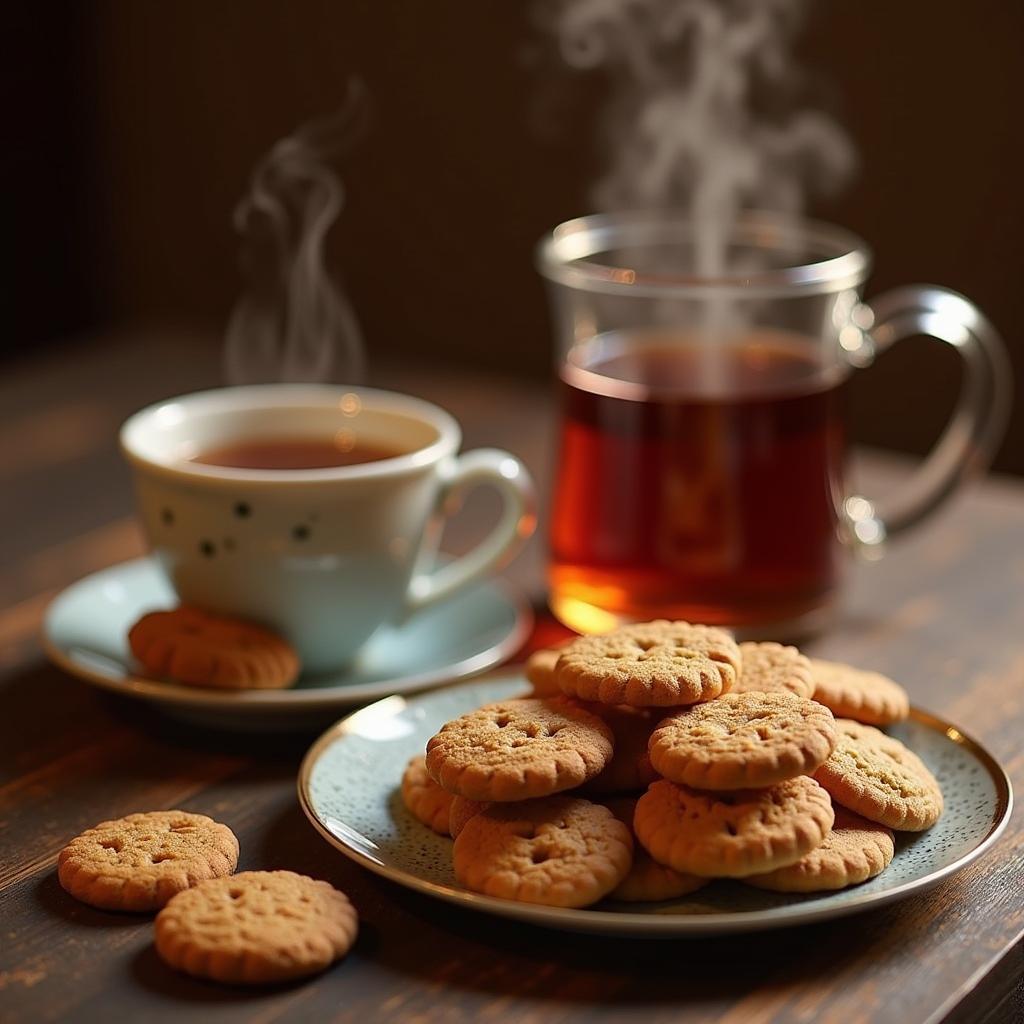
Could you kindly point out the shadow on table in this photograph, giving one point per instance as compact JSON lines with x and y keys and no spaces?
{"x":51,"y":898}
{"x":505,"y":958}
{"x":153,"y":974}
{"x":202,"y":738}
{"x":48,"y":713}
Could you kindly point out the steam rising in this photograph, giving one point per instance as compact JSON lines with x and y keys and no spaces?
{"x":293,"y":323}
{"x":688,"y":124}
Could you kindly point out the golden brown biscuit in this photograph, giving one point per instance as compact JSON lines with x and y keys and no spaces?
{"x":519,"y":749}
{"x":140,"y":861}
{"x":629,"y":770}
{"x":194,"y":647}
{"x":540,"y":671}
{"x":560,"y":852}
{"x":854,"y":851}
{"x":743,"y":741}
{"x":648,"y":881}
{"x":461,"y":811}
{"x":773,"y":668}
{"x":732,"y":834}
{"x":425,"y":800}
{"x":858,"y":694}
{"x":877,"y":777}
{"x":256,"y":927}
{"x":653,"y":664}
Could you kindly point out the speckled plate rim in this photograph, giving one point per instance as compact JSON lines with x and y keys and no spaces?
{"x":328,"y":698}
{"x":625,"y":923}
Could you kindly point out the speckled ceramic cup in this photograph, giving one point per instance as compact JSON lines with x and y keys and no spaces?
{"x":325,"y":556}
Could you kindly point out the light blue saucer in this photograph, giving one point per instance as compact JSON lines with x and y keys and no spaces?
{"x":86,"y":628}
{"x":349,"y":788}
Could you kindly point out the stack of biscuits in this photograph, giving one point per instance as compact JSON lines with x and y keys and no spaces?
{"x":662,"y":755}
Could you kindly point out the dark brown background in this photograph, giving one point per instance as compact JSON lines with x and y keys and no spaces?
{"x":133,"y":126}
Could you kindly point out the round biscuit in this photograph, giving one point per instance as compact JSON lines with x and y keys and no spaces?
{"x":859,"y":694}
{"x":651,"y":664}
{"x":424,"y":799}
{"x":140,"y":861}
{"x":648,"y":881}
{"x":736,"y":833}
{"x":201,"y":649}
{"x":519,"y":749}
{"x":559,"y":852}
{"x":877,"y":777}
{"x":256,"y":928}
{"x":854,"y":851}
{"x":774,"y":668}
{"x":743,"y":741}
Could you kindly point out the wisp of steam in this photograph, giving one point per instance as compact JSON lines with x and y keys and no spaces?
{"x":690,"y":123}
{"x":293,"y":323}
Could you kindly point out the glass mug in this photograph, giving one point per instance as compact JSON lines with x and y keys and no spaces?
{"x":701,"y":469}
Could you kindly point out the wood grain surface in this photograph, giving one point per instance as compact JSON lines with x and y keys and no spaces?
{"x":942,"y":612}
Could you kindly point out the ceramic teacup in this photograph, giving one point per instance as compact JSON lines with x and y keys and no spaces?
{"x":325,"y":556}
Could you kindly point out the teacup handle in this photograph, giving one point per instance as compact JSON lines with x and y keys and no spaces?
{"x":504,"y":472}
{"x":970,"y":439}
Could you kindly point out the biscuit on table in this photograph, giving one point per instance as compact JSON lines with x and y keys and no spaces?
{"x":856,"y":693}
{"x":256,"y":927}
{"x":519,"y":749}
{"x":200,"y":649}
{"x":139,"y":862}
{"x":425,"y":800}
{"x":736,"y":833}
{"x":854,"y":851}
{"x":559,"y":851}
{"x":773,"y":668}
{"x":879,"y":778}
{"x":648,"y":881}
{"x":651,"y":664}
{"x":743,"y":740}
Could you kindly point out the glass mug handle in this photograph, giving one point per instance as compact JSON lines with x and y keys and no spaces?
{"x":969,"y":440}
{"x":483,"y":467}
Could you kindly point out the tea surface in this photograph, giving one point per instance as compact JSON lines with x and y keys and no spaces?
{"x":293,"y":453}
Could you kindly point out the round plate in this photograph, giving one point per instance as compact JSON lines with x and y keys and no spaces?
{"x":86,"y":633}
{"x":349,"y":788}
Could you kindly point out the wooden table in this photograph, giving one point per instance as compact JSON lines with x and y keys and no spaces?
{"x":943,"y":613}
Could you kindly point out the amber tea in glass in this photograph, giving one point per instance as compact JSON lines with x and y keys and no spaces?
{"x":700,"y":471}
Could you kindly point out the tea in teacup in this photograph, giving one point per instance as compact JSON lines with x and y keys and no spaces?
{"x":344,"y":449}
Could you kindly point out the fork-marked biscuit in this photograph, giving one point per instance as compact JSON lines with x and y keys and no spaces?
{"x":560,"y":852}
{"x":195,"y":647}
{"x":648,"y":881}
{"x":859,"y":694}
{"x":877,"y":777}
{"x":854,"y":851}
{"x":743,"y":740}
{"x":652,"y":664}
{"x":774,"y":668}
{"x":140,"y":861}
{"x":732,"y":834}
{"x":256,"y":928}
{"x":519,"y":749}
{"x":424,"y":799}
